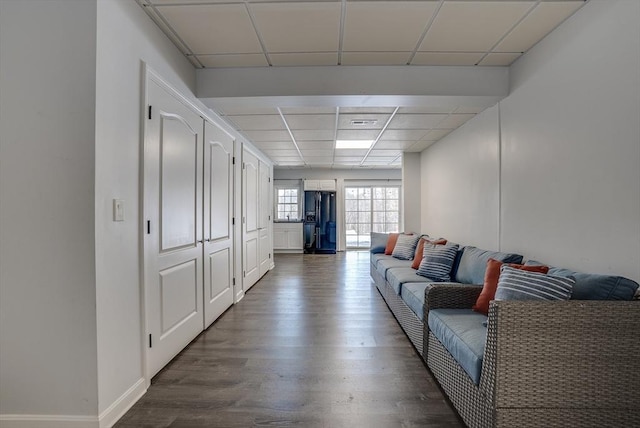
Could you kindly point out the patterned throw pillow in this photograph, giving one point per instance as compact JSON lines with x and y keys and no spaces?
{"x":417,"y":258}
{"x":405,"y":247}
{"x":515,"y":284}
{"x":437,"y":261}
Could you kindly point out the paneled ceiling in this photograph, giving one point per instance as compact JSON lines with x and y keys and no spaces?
{"x":289,"y":33}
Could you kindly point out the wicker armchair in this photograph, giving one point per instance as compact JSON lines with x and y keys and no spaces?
{"x":546,"y":364}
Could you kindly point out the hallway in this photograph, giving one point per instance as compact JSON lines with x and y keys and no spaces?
{"x":312,"y":344}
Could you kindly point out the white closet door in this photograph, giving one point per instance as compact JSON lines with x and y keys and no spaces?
{"x":265,"y":217}
{"x":172,"y":226}
{"x":250,"y":219}
{"x":218,"y":227}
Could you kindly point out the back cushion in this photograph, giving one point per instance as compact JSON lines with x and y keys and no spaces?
{"x":473,"y":264}
{"x":391,"y":243}
{"x":591,"y":286}
{"x":405,"y":247}
{"x":378,"y":242}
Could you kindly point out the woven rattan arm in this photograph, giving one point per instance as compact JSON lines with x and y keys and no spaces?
{"x":450,"y":295}
{"x":562,"y":355}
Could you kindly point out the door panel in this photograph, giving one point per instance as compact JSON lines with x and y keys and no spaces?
{"x":173,"y":226}
{"x":264,"y":212}
{"x":218,"y":227}
{"x":264,"y":251}
{"x":250,"y":232}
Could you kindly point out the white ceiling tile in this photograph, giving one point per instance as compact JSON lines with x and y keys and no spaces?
{"x":311,"y":121}
{"x":318,"y":159}
{"x":375,"y":58}
{"x":304,"y":59}
{"x":267,"y":136}
{"x":454,"y":121}
{"x":469,"y":109}
{"x":289,"y":163}
{"x":344,"y":121}
{"x":424,"y":110}
{"x":282,"y":153}
{"x":420,"y":146}
{"x":212,"y":29}
{"x":397,"y":145}
{"x":308,"y":110}
{"x":275,"y":145}
{"x":313,"y":135}
{"x":384,"y":153}
{"x":472,"y":26}
{"x":544,"y":18}
{"x":342,"y":159}
{"x":298,"y":27}
{"x":495,"y":59}
{"x":386,"y":25}
{"x":185,"y":2}
{"x":446,"y":58}
{"x":239,"y":111}
{"x":436,"y":134}
{"x":316,"y":145}
{"x":416,"y":121}
{"x":360,"y":134}
{"x":233,"y":60}
{"x":378,"y":161}
{"x":258,"y":122}
{"x":403,"y":134}
{"x":365,"y":110}
{"x":313,"y":153}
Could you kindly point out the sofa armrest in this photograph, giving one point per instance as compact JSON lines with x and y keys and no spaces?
{"x":570,"y":354}
{"x":450,"y":295}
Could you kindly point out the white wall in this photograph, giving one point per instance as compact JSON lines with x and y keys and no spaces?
{"x":47,"y":258}
{"x":460,"y":186}
{"x":125,"y":37}
{"x":570,"y":149}
{"x":411,"y":191}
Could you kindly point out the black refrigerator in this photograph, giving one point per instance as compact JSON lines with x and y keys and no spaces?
{"x":320,"y":222}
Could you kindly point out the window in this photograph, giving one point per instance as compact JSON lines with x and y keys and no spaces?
{"x":370,"y":209}
{"x":287,"y":203}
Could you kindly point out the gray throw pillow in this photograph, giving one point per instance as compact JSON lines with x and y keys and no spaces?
{"x":516,"y":284}
{"x":437,"y":261}
{"x":405,"y":247}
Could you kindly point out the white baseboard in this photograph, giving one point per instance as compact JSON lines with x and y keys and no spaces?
{"x":48,"y":421}
{"x":107,"y":419}
{"x":115,"y":411}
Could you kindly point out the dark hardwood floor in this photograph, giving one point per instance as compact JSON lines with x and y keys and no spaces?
{"x":312,"y":344}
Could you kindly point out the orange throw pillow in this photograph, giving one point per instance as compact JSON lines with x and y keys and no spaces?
{"x":391,"y":243}
{"x":420,"y":250}
{"x":491,"y":276}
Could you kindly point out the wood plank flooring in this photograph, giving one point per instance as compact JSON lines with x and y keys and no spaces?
{"x":312,"y":344}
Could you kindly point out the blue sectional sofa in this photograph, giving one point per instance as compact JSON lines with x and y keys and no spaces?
{"x":528,"y":363}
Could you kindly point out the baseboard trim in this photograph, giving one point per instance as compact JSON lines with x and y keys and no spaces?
{"x":115,"y":411}
{"x":48,"y":421}
{"x":107,"y":419}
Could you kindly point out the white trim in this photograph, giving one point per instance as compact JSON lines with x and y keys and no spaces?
{"x":48,"y":421}
{"x":118,"y":408}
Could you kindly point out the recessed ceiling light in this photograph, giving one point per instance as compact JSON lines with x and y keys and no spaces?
{"x":363,"y":122}
{"x":353,"y":144}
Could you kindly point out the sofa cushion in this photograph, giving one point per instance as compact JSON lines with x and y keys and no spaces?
{"x":385,"y":264}
{"x":403,"y":275}
{"x":417,"y":258}
{"x":437,"y":261}
{"x":473,"y":264}
{"x":378,"y":242}
{"x":491,"y":282}
{"x":462,"y":333}
{"x":412,"y":294}
{"x":591,"y":286}
{"x":405,"y":247}
{"x":391,"y":243}
{"x":516,"y":284}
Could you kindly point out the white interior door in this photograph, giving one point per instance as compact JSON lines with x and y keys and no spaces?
{"x":218,"y":227}
{"x":264,"y":212}
{"x":250,"y":220}
{"x":172,"y":225}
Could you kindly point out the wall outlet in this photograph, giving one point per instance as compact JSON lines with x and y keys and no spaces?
{"x":118,"y":210}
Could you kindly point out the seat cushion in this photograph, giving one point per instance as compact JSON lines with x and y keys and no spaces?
{"x":375,"y":258}
{"x":412,"y":294}
{"x":403,"y":275}
{"x":385,"y":264}
{"x":473,"y":263}
{"x":461,"y":332}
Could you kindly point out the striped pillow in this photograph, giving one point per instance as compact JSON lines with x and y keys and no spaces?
{"x":437,"y":261}
{"x":515,"y":284}
{"x":405,"y":247}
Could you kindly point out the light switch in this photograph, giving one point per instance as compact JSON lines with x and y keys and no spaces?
{"x":118,"y":210}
